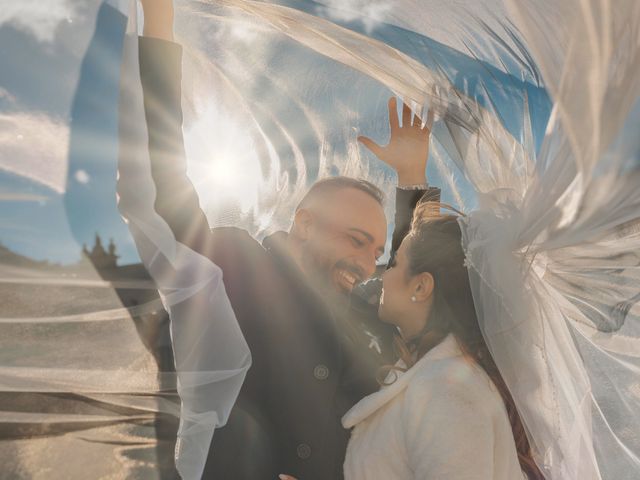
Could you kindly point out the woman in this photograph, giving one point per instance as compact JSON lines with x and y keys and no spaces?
{"x":443,"y":411}
{"x":449,"y":414}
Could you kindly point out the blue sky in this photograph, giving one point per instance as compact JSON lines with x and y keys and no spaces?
{"x":48,"y":79}
{"x":71,"y":78}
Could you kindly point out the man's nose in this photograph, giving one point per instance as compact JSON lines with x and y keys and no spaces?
{"x":367,"y":262}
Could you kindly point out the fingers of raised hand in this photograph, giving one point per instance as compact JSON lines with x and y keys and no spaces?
{"x":427,"y":126}
{"x":409,"y":120}
{"x":371,"y":145}
{"x":393,"y":114}
{"x":406,"y":115}
{"x":430,"y":117}
{"x":414,"y":121}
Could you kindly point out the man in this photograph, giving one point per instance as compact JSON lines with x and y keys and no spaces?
{"x":315,"y":347}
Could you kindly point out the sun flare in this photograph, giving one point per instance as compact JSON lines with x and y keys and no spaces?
{"x":223,"y":163}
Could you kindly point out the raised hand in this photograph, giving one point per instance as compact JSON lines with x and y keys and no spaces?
{"x":408,"y":148}
{"x":158,"y":19}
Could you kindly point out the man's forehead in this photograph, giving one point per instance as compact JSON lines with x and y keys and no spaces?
{"x":357,"y":210}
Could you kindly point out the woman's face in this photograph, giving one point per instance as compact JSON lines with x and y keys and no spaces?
{"x":397,"y":288}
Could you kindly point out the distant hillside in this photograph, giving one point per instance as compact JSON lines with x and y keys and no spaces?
{"x":134,"y":271}
{"x":8,"y":257}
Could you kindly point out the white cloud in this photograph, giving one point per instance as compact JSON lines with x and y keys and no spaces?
{"x":41,"y":19}
{"x":35,"y":146}
{"x":7,"y":97}
{"x":82,"y":176}
{"x":369,"y":13}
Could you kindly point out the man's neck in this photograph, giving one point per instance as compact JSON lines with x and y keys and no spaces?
{"x":292,"y":248}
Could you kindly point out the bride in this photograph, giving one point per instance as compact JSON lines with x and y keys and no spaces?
{"x":444,"y":410}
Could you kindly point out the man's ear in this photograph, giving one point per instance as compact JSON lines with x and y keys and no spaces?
{"x":302,"y":224}
{"x":423,"y":287}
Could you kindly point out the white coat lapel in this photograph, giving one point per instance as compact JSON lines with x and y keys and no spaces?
{"x":371,"y":403}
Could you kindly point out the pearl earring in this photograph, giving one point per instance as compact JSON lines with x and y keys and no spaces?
{"x":413,"y":298}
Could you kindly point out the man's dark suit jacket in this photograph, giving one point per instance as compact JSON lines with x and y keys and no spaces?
{"x":309,"y":365}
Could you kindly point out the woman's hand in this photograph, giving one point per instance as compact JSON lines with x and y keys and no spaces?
{"x":408,"y":149}
{"x":158,"y":19}
{"x":286,"y":477}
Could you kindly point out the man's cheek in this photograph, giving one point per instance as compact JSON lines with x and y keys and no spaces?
{"x":321,"y":260}
{"x":327,"y":253}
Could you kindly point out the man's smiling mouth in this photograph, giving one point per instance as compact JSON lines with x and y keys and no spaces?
{"x":346,"y":279}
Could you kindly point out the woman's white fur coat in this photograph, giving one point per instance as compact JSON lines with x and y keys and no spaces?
{"x":443,"y":419}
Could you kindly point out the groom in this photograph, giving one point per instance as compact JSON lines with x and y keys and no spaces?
{"x":316,"y":348}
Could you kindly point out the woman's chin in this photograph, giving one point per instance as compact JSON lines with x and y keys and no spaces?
{"x":383,"y":314}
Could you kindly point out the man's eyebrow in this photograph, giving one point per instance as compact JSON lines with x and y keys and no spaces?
{"x":369,"y":237}
{"x":362,"y":232}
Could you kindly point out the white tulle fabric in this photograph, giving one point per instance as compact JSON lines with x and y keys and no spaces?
{"x":553,"y":231}
{"x":554,"y":256}
{"x":210,"y":353}
{"x":552,"y":242}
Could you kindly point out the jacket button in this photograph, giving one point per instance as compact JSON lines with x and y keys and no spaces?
{"x":303,"y":451}
{"x":321,"y":372}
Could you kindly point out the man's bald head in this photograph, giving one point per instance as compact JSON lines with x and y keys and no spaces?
{"x":339,"y":231}
{"x":330,"y":185}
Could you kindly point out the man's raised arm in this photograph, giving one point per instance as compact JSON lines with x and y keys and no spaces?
{"x":161,"y":74}
{"x":407,"y":153}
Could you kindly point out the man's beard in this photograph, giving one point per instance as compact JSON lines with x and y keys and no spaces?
{"x":321,"y":271}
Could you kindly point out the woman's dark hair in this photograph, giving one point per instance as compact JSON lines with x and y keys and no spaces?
{"x":435,"y":246}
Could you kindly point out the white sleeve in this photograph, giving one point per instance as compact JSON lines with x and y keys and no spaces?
{"x":448,"y":431}
{"x":210,"y":352}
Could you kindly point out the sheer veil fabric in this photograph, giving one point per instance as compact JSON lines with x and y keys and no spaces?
{"x":553,"y":230}
{"x":537,"y":111}
{"x":555,"y":268}
{"x":210,"y":353}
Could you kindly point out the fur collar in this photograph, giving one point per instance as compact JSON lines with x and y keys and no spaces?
{"x":448,"y":348}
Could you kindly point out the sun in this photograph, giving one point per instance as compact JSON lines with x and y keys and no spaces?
{"x":225,"y":174}
{"x":222,"y":161}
